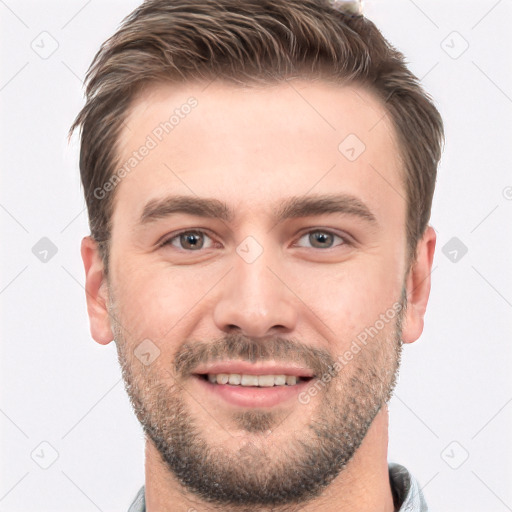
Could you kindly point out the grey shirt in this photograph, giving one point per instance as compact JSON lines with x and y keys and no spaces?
{"x":406,"y":492}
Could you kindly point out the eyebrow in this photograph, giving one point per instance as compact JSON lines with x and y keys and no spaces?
{"x":293,"y":207}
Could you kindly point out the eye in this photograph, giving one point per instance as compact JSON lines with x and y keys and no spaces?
{"x":195,"y":239}
{"x":188,"y":240}
{"x":322,"y":239}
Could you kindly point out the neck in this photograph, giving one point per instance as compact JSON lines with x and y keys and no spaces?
{"x":362,"y":485}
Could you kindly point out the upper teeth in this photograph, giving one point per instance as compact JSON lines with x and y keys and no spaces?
{"x":237,"y":379}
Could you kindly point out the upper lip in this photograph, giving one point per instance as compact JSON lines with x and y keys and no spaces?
{"x":246,"y":368}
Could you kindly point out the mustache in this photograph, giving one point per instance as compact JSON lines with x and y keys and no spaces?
{"x":240,"y":347}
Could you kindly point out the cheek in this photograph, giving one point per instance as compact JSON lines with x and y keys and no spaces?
{"x":354,"y":296}
{"x":153,"y":303}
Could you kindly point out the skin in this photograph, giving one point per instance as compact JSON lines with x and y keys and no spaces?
{"x":283,"y":141}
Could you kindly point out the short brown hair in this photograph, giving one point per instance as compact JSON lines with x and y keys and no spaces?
{"x":251,"y":41}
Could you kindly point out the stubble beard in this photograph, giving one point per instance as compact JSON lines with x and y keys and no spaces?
{"x":261,"y":474}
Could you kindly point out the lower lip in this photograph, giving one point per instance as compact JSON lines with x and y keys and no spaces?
{"x":252,"y":396}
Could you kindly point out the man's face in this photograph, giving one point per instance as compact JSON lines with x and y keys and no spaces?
{"x":280,"y":290}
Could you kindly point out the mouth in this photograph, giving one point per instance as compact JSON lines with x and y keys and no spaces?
{"x":242,"y":384}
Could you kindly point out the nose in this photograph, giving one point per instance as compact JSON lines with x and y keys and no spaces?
{"x":256,"y":299}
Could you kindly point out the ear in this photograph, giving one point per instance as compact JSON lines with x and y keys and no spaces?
{"x":418,"y":287}
{"x":96,"y":289}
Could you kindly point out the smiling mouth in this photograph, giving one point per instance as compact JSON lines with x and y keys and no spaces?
{"x":250,"y":380}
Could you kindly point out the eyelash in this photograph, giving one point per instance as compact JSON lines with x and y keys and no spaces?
{"x":345,"y":240}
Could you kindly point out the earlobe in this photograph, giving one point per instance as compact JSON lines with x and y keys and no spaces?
{"x":418,"y":287}
{"x":96,"y":290}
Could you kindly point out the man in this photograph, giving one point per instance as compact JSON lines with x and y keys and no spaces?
{"x":259,"y":178}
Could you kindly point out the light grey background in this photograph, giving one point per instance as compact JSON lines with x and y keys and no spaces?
{"x":60,"y":388}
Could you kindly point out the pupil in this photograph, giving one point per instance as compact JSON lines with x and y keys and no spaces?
{"x":321,"y":238}
{"x":191,"y":239}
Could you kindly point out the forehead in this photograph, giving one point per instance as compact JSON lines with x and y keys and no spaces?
{"x":253,"y":144}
